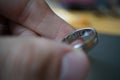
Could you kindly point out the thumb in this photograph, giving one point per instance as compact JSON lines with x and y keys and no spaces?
{"x":40,"y":59}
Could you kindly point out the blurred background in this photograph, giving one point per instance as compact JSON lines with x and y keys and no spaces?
{"x":104,"y":16}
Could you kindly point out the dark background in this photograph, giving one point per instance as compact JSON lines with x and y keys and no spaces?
{"x":105,"y":59}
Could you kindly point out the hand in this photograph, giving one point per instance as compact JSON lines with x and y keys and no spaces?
{"x":33,"y":18}
{"x":35,"y":57}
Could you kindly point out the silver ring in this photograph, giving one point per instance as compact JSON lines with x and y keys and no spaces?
{"x":88,"y":35}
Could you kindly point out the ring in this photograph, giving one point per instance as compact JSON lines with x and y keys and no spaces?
{"x":87,"y":35}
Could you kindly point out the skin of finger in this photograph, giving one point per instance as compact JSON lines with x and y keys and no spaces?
{"x":21,"y":31}
{"x":12,"y":9}
{"x":30,"y":59}
{"x":36,"y":15}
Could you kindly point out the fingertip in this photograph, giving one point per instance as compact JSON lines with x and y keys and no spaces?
{"x":75,"y":66}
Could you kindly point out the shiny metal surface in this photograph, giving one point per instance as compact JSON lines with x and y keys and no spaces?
{"x":88,"y":36}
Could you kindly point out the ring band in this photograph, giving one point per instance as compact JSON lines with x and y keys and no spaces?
{"x":88,"y":35}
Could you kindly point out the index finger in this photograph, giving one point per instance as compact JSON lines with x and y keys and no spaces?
{"x":35,"y":15}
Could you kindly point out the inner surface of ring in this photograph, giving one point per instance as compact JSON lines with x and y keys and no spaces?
{"x":87,"y":35}
{"x":84,"y":34}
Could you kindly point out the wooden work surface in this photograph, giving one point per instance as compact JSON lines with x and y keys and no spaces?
{"x":79,"y":19}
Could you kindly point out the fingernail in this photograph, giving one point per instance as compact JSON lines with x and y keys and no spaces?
{"x":74,"y":66}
